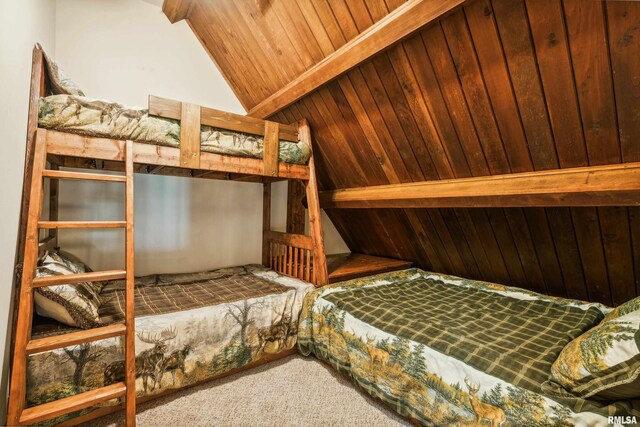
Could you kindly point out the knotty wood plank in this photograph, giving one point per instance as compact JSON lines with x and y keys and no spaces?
{"x":610,"y":185}
{"x":394,"y":27}
{"x":271,"y":148}
{"x":190,"y":136}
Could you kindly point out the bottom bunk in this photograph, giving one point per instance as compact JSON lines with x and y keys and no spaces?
{"x":189,"y":328}
{"x":441,"y":350}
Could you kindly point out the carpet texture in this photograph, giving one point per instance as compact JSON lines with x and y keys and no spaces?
{"x":295,"y":391}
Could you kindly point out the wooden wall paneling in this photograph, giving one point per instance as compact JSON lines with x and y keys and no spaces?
{"x":515,"y":37}
{"x":229,"y":55}
{"x":589,"y":53}
{"x":407,"y":130}
{"x":552,"y":49}
{"x":419,"y":114}
{"x":435,"y":104}
{"x":498,"y":269}
{"x":438,"y":51}
{"x":526,"y":249}
{"x":511,"y":19}
{"x":508,"y":246}
{"x":460,"y":240}
{"x":465,"y":60}
{"x":488,"y":48}
{"x":564,"y":237}
{"x":624,"y":49}
{"x":546,"y":251}
{"x":362,"y":110}
{"x":354,"y":135}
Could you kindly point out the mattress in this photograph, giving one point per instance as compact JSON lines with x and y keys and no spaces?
{"x":200,"y":325}
{"x":104,"y":119}
{"x":449,"y":351}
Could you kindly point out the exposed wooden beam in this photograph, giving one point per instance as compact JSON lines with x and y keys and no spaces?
{"x":176,"y":10}
{"x":609,"y":185}
{"x":399,"y":24}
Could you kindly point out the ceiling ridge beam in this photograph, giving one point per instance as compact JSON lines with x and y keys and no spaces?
{"x":177,"y":10}
{"x":608,"y":185}
{"x":394,"y":27}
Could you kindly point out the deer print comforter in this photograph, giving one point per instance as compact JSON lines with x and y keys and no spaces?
{"x":453,"y":352}
{"x":189,"y":327}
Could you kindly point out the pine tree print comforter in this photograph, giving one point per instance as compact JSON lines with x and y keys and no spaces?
{"x":449,"y":351}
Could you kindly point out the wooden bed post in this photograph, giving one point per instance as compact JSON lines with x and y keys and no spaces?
{"x":266,"y":221}
{"x":295,"y":208}
{"x":320,"y":275}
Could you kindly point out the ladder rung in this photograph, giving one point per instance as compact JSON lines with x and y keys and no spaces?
{"x":64,"y":279}
{"x":56,"y":174}
{"x":75,"y":338}
{"x":74,"y":403}
{"x":82,"y":224}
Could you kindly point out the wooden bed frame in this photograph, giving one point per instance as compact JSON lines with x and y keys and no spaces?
{"x":292,"y":253}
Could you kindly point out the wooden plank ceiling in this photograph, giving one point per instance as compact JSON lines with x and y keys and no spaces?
{"x":494,"y":87}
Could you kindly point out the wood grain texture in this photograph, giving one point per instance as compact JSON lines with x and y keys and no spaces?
{"x":610,"y":185}
{"x":494,"y":87}
{"x":130,"y":323}
{"x":397,"y":25}
{"x":18,"y":385}
{"x":271,"y":148}
{"x":190,"y":136}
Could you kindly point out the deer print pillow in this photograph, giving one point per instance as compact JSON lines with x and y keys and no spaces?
{"x":603,"y":363}
{"x":72,"y":304}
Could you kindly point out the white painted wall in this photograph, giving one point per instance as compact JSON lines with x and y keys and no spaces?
{"x":125,"y":50}
{"x":22,"y":24}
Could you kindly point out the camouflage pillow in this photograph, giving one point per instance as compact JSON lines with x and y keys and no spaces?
{"x":603,"y":363}
{"x":72,"y":304}
{"x":60,"y":83}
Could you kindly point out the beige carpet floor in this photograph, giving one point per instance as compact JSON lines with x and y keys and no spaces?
{"x":295,"y":391}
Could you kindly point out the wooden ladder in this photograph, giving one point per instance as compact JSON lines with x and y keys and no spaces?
{"x":25,"y":346}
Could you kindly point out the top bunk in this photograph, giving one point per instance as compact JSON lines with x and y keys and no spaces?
{"x":169,"y":137}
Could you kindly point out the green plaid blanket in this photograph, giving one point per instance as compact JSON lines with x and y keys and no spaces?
{"x":515,"y":340}
{"x":442,"y":350}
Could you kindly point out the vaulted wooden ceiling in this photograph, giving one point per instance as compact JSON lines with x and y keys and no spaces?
{"x":492,"y":87}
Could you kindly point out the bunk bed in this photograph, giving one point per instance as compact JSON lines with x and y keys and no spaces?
{"x":151,"y":329}
{"x":441,"y":350}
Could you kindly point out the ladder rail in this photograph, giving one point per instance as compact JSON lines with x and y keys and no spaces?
{"x":130,"y":340}
{"x":24,"y":346}
{"x":18,"y":387}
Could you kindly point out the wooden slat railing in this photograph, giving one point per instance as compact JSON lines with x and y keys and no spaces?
{"x":290,"y":255}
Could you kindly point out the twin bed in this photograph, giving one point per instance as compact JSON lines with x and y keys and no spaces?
{"x":194,"y":327}
{"x":448,"y":351}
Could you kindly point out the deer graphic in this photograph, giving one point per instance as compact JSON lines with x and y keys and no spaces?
{"x":484,"y":411}
{"x":148,"y":362}
{"x":173,"y":362}
{"x":376,"y":354}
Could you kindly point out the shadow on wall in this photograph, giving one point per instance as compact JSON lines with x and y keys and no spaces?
{"x":180,"y":224}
